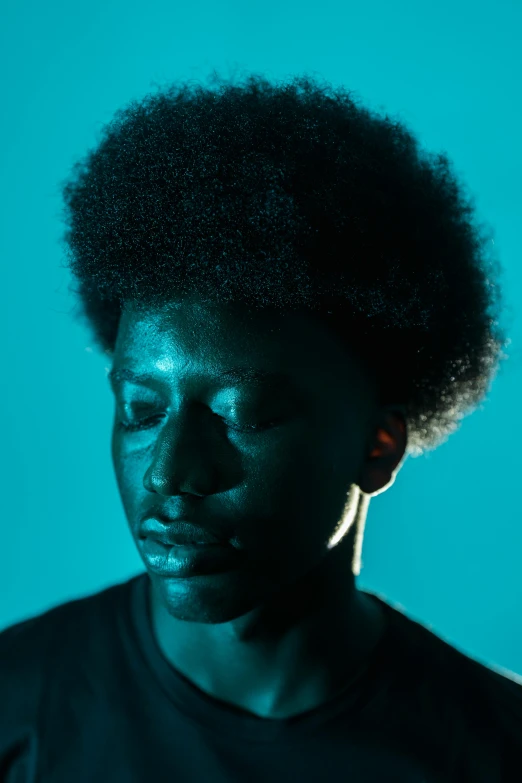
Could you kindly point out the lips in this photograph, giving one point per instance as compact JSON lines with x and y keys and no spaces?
{"x":170,"y":539}
{"x":176,"y":532}
{"x":184,"y":561}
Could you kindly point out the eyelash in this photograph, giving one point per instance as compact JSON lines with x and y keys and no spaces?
{"x":148,"y":423}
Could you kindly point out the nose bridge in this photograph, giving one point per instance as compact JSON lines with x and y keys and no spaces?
{"x":179,"y":449}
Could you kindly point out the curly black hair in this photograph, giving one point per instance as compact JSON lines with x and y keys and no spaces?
{"x":293,"y":196}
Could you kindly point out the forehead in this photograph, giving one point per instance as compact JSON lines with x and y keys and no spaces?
{"x":191,"y":337}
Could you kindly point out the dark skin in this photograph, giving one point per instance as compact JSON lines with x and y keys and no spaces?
{"x":287,"y":628}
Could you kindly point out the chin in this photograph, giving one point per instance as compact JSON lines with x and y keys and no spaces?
{"x":211,"y":599}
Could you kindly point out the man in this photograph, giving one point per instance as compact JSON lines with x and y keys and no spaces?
{"x":250,"y":433}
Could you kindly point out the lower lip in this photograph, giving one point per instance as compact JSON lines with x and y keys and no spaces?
{"x":187,"y":560}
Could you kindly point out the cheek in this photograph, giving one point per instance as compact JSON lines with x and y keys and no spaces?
{"x":315,"y":483}
{"x":300,"y":493}
{"x":129,"y":469}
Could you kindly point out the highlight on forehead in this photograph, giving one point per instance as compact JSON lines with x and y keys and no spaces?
{"x":237,"y":374}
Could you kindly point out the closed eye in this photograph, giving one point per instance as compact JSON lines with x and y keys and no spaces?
{"x":150,"y":421}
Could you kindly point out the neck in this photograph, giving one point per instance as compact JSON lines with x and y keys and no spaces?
{"x":289,"y":655}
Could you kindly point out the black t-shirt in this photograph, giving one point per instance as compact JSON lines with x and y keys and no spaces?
{"x":86,"y":696}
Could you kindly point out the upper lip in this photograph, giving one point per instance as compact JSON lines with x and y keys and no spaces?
{"x":176,"y":531}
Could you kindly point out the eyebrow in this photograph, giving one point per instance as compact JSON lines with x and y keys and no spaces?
{"x":231,"y":375}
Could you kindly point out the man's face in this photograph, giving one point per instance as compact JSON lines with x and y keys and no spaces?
{"x":277,"y":494}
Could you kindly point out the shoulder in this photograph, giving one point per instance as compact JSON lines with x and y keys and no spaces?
{"x":486,"y":719}
{"x":497,"y":693}
{"x":471,"y":712}
{"x":33,"y":652}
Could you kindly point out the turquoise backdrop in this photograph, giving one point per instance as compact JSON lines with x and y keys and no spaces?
{"x":445,"y":543}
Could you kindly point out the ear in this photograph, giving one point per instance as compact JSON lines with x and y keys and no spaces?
{"x":385,"y":451}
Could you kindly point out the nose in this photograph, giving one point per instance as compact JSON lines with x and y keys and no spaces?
{"x":181,"y":462}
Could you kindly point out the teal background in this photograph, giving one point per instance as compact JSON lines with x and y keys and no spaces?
{"x":445,"y":542}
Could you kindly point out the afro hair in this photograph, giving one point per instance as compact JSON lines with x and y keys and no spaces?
{"x":293,"y":196}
